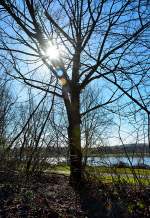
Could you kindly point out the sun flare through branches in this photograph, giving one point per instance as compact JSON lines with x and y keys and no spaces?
{"x":52,"y":51}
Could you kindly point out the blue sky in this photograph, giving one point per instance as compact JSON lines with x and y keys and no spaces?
{"x":31,"y":63}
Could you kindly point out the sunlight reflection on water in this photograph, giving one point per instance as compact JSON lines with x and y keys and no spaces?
{"x":105,"y":161}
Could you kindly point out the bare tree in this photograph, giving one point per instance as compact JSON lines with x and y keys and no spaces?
{"x":6,"y":116}
{"x":96,"y":124}
{"x":103,"y":41}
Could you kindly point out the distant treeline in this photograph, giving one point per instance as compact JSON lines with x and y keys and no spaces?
{"x":97,"y":151}
{"x":120,"y":149}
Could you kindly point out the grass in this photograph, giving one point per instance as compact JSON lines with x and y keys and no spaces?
{"x":102,"y":169}
{"x":60,"y":169}
{"x":107,"y":174}
{"x":119,"y":179}
{"x":121,"y":175}
{"x":123,"y":170}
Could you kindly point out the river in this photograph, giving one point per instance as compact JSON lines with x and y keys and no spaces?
{"x":106,"y":161}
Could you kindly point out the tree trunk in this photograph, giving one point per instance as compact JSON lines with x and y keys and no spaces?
{"x":74,"y":135}
{"x":149,"y":131}
{"x":75,"y":153}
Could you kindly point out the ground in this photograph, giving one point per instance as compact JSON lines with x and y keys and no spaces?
{"x":50,"y":195}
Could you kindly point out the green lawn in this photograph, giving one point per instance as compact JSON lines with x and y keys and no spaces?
{"x":124,"y":170}
{"x":113,"y":174}
{"x":61,"y":169}
{"x":107,"y":174}
{"x":121,"y":179}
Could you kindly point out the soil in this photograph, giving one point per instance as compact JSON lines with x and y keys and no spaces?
{"x":51,"y":196}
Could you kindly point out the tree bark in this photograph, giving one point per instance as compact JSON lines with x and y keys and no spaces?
{"x":149,"y":131}
{"x":74,"y":135}
{"x":75,"y":153}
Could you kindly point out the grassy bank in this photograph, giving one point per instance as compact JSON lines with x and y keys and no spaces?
{"x":118,"y":170}
{"x":109,"y":174}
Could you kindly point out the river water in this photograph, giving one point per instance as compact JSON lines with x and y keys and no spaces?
{"x":106,"y":161}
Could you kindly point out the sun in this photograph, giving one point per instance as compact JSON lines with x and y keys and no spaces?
{"x":52,"y":52}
